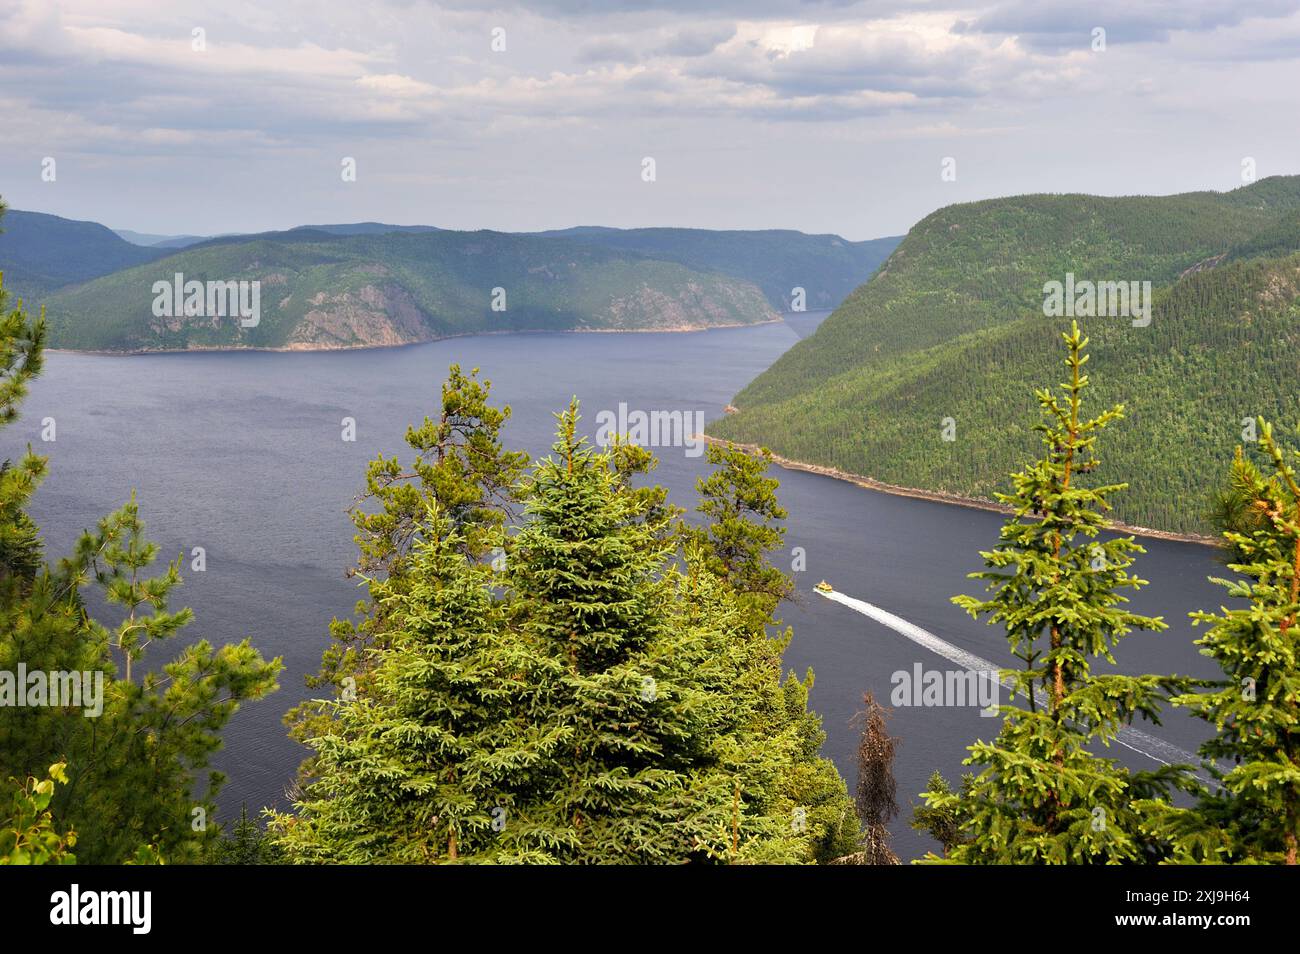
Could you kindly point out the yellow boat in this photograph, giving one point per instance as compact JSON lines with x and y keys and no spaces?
{"x":825,"y":587}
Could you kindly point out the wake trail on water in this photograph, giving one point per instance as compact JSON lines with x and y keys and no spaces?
{"x":1156,"y":749}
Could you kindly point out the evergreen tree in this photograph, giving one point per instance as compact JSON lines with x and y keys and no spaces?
{"x":434,"y":763}
{"x":459,"y":469}
{"x":1253,"y":812}
{"x":743,"y":526}
{"x":131,"y":765}
{"x":604,"y":697}
{"x":1043,"y":796}
{"x":940,"y":813}
{"x":742,"y":529}
{"x":630,"y":461}
{"x":632,"y":780}
{"x":459,"y":465}
{"x":245,"y":843}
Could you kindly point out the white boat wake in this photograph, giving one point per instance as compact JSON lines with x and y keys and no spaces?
{"x":1158,"y":750}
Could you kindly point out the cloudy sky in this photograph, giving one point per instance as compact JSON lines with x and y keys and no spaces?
{"x":821,"y":116}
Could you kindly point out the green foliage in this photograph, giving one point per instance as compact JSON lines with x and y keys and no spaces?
{"x":1253,"y":814}
{"x":245,"y":843}
{"x":28,"y":834}
{"x":953,"y":326}
{"x":461,"y":472}
{"x":134,"y":750}
{"x":940,"y":813}
{"x":1044,"y":795}
{"x":420,"y":767}
{"x":596,"y":692}
{"x":743,"y":528}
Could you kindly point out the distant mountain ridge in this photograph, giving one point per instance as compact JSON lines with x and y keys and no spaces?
{"x":826,"y":267}
{"x":40,"y":253}
{"x":953,"y":327}
{"x":159,"y":241}
{"x":369,"y":283}
{"x":320,"y":291}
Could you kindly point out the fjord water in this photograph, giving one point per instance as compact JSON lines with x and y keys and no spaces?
{"x":241,"y":454}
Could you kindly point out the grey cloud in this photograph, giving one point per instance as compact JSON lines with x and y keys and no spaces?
{"x":607,"y":50}
{"x":1053,"y":25}
{"x":747,"y":9}
{"x":697,"y":42}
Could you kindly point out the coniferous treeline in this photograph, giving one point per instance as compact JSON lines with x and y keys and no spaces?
{"x":1044,"y":792}
{"x":552,"y":666}
{"x":953,"y":327}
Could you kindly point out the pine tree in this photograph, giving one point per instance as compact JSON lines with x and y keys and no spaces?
{"x":459,"y":464}
{"x":461,"y":470}
{"x":131,"y":767}
{"x":1043,"y":796}
{"x":1253,"y":812}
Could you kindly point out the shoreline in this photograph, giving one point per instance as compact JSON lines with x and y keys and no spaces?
{"x":319,"y":349}
{"x":943,"y":496}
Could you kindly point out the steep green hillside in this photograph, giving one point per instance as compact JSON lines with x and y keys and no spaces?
{"x":827,"y":267}
{"x":39,"y":253}
{"x":324,"y":291}
{"x":953,"y":327}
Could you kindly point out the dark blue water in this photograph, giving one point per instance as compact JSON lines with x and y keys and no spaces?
{"x":240,"y":453}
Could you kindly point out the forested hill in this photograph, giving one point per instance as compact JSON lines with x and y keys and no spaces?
{"x":319,"y":290}
{"x":826,"y":267}
{"x":369,"y":283}
{"x":953,"y":326}
{"x":39,"y":252}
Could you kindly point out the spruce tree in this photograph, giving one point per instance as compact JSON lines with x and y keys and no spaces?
{"x":244,"y":843}
{"x":436,"y":762}
{"x":603,"y":697}
{"x":741,"y":530}
{"x":632,"y":779}
{"x":1252,"y":813}
{"x":1043,"y":795}
{"x":939,"y":814}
